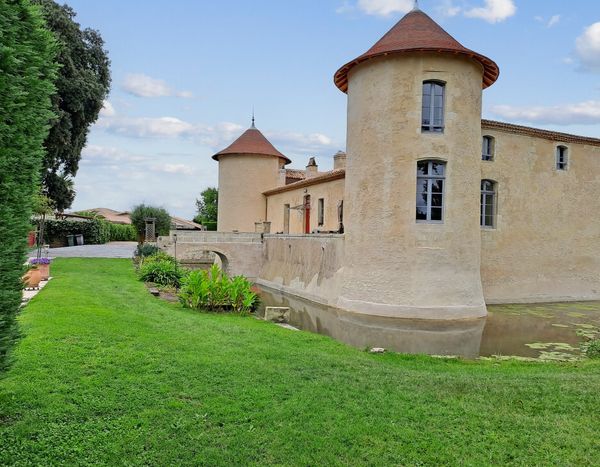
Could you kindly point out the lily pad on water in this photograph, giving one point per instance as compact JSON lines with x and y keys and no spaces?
{"x":552,"y":345}
{"x":558,"y":357}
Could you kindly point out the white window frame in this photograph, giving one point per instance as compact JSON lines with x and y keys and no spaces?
{"x":431,"y":127}
{"x":562,"y":157}
{"x":491,"y":148}
{"x":430,"y":178}
{"x":486,"y":194}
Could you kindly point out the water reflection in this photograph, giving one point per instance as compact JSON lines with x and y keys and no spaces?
{"x":536,"y":331}
{"x":401,"y":335}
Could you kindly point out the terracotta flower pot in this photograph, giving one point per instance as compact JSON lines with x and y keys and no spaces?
{"x":44,"y":270}
{"x":32,"y":278}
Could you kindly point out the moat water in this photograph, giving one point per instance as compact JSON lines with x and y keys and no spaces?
{"x":552,"y":331}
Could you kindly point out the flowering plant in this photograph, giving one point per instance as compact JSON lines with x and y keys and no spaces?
{"x":40,"y":261}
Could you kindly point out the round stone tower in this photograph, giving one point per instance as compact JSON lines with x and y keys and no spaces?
{"x":248,"y":167}
{"x":412,"y":191}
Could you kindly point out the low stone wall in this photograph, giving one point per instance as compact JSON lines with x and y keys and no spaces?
{"x":239,"y":253}
{"x":307,"y":266}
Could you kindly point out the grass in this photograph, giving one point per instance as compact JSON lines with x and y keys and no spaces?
{"x":107,"y":374}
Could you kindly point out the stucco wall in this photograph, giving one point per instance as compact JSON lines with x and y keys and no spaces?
{"x":242,"y":180}
{"x":546,"y":244}
{"x":395,"y":266}
{"x":308,"y":266}
{"x":332,"y":192}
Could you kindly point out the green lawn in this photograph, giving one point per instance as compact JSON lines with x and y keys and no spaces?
{"x":107,"y":374}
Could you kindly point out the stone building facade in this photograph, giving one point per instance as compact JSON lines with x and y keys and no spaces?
{"x":433,"y":212}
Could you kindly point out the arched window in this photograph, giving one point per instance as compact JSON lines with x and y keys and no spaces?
{"x":430,"y":191}
{"x":562,"y":158}
{"x":488,"y":148}
{"x":488,"y":204}
{"x":432,"y":118}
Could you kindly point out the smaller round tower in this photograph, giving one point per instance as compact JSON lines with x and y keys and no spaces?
{"x":247,"y":168}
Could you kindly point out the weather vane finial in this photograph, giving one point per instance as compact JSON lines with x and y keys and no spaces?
{"x":416,"y":7}
{"x":252,"y":118}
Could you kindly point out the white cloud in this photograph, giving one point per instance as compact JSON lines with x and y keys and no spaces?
{"x":181,"y":169}
{"x":107,"y":110}
{"x":553,"y":21}
{"x":494,"y":11}
{"x":448,"y":8}
{"x":93,"y":153}
{"x":141,"y":85}
{"x":146,"y":127}
{"x":585,"y":113}
{"x":385,"y":7}
{"x":587,"y":48}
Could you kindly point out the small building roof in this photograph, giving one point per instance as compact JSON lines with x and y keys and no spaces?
{"x":335,"y":174}
{"x":252,"y":141}
{"x":417,"y":32}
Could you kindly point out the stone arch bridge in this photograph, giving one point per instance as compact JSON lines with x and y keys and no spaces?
{"x":240,"y":253}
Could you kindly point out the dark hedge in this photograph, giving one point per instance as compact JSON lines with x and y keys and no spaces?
{"x":27,"y":74}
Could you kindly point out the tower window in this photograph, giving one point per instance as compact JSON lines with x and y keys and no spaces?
{"x":562,"y":158}
{"x":488,"y":147}
{"x":488,"y":204}
{"x":432,"y":119}
{"x":321,"y":212}
{"x":430,"y":191}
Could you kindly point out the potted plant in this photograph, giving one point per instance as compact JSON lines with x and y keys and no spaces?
{"x":32,"y":277}
{"x":43,"y":265}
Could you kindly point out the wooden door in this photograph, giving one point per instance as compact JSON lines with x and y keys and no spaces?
{"x":307,"y":214}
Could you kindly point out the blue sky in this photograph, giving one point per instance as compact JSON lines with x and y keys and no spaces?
{"x":186,"y":75}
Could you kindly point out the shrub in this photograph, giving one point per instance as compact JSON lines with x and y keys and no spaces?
{"x":94,"y":231}
{"x":214,"y":291}
{"x":161,"y":272}
{"x":122,"y":233}
{"x":138,"y":218}
{"x":159,"y":256}
{"x":593,"y":349}
{"x":144,"y":250}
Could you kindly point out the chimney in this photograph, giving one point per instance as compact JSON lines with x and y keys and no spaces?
{"x":339,"y":160}
{"x":312,"y":169}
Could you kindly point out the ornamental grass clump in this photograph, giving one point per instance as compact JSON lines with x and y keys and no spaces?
{"x":162,"y":272}
{"x":214,"y":291}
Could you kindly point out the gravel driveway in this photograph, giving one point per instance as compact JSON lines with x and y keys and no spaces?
{"x":108,"y":250}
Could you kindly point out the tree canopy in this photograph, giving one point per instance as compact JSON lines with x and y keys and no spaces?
{"x":82,"y":85}
{"x":27,"y":74}
{"x":139,"y":214}
{"x":207,"y":206}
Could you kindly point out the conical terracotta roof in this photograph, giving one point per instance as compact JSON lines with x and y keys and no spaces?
{"x":417,"y":32}
{"x":252,"y":141}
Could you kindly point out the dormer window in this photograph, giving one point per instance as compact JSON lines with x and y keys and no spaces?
{"x":432,"y":119}
{"x":488,"y":148}
{"x":562,"y":158}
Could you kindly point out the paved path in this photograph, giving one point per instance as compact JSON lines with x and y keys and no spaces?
{"x":108,"y":250}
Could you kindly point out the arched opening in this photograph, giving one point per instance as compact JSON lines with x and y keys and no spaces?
{"x":205,"y":258}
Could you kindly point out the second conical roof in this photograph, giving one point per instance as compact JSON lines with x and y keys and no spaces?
{"x":252,"y":141}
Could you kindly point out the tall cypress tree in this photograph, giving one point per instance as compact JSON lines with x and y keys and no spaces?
{"x":27,"y":74}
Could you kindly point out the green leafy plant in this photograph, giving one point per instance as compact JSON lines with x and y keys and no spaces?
{"x":161,"y":272}
{"x":592,"y":349}
{"x":214,"y":291}
{"x":159,"y":256}
{"x":122,"y":232}
{"x":144,"y":250}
